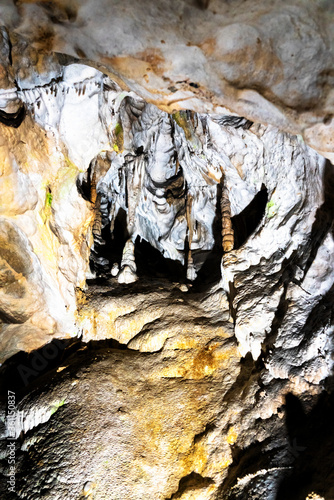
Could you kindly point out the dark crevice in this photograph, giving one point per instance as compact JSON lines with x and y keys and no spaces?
{"x":108,"y":246}
{"x":232,"y":293}
{"x":245,"y":223}
{"x":311,"y":437}
{"x":10,"y":49}
{"x":210,"y":426}
{"x":84,"y":184}
{"x":280,"y":313}
{"x":191,"y":482}
{"x":235,"y":122}
{"x":8,"y":319}
{"x":321,"y":315}
{"x":151,"y":263}
{"x":250,"y":371}
{"x":287,"y":277}
{"x":324,"y":216}
{"x":13,"y":119}
{"x":281,"y":279}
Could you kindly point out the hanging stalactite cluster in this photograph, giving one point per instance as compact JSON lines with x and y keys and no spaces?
{"x":165,"y":175}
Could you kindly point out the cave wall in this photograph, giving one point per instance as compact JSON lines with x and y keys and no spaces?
{"x":166,"y":233}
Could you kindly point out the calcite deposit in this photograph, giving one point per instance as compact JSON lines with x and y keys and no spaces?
{"x":166,"y":250}
{"x":271,"y":62}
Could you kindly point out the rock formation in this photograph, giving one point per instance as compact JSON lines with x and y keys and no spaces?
{"x":166,"y":236}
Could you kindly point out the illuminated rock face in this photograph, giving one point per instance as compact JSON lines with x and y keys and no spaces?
{"x":194,"y":248}
{"x":272,"y":63}
{"x":165,"y":184}
{"x":232,"y":317}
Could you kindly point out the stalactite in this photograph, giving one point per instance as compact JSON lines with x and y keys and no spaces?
{"x":227,"y":229}
{"x":97,"y":219}
{"x":191,"y":272}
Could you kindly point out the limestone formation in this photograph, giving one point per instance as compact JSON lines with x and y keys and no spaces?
{"x":166,"y":250}
{"x":271,"y":62}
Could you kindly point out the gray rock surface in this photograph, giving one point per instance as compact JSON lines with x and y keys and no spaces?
{"x":271,"y":62}
{"x":162,"y":215}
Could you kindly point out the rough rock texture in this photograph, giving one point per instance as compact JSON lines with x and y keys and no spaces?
{"x":271,"y":62}
{"x":182,"y":251}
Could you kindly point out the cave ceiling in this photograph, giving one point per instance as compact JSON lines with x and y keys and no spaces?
{"x":271,"y":62}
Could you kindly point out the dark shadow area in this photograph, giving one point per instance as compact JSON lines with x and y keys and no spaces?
{"x":25,"y":372}
{"x":115,"y":240}
{"x":232,"y":293}
{"x":151,"y":263}
{"x":250,"y":370}
{"x":84,"y":184}
{"x":324,"y":216}
{"x":192,"y":481}
{"x":13,"y":119}
{"x":245,"y":223}
{"x":108,"y":246}
{"x":210,"y":272}
{"x":311,"y":437}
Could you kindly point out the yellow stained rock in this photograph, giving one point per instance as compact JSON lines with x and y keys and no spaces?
{"x":231,"y":436}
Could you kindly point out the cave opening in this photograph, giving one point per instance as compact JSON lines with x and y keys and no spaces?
{"x":110,"y":240}
{"x":107,"y":252}
{"x":108,"y":245}
{"x":152,"y":264}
